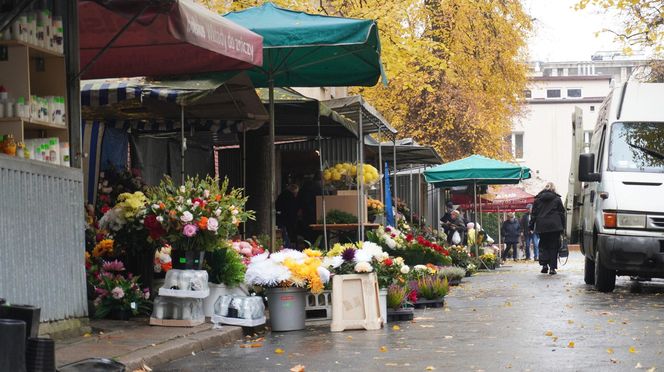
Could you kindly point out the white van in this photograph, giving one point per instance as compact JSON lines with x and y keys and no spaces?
{"x":623,"y":195}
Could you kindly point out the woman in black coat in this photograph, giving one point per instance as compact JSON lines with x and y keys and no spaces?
{"x":548,"y":220}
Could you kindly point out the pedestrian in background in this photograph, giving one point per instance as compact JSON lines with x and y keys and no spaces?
{"x":286,"y":208}
{"x":528,"y":236}
{"x":511,"y":231}
{"x":548,"y":220}
{"x":447,"y":218}
{"x":456,"y":226}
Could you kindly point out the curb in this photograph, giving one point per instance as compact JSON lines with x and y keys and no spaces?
{"x":180,"y":347}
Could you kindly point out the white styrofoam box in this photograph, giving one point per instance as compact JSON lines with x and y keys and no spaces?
{"x":216,"y":319}
{"x":185,"y":284}
{"x":178,"y":308}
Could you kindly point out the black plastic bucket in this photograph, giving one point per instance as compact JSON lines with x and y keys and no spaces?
{"x":27,"y":313}
{"x":40,"y":355}
{"x":93,"y":365}
{"x":12,"y":345}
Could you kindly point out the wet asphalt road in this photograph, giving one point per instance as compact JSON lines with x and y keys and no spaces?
{"x":513,"y":318}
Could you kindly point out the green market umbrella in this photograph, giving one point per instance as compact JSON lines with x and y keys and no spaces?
{"x":476,"y":170}
{"x":307,"y":50}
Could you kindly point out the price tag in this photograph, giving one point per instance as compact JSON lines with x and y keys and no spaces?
{"x":133,"y":305}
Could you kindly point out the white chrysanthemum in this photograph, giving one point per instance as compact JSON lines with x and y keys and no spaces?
{"x":405,"y":269}
{"x":259,"y":257}
{"x":362,"y":255}
{"x":420,"y":268}
{"x":283,"y":254}
{"x":390,"y":242}
{"x":373,"y":248}
{"x":266,"y":272}
{"x":324,"y":274}
{"x":333,"y":262}
{"x":112,"y":220}
{"x":363,"y":267}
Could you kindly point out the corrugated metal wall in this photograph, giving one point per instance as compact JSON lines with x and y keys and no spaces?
{"x":42,"y":237}
{"x":334,"y":150}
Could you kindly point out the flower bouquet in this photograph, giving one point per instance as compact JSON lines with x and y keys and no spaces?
{"x":116,"y":293}
{"x":125,"y":223}
{"x":344,"y":176}
{"x":288,"y":268}
{"x":375,"y":208}
{"x":196,"y":216}
{"x":414,"y":250}
{"x":248,"y":249}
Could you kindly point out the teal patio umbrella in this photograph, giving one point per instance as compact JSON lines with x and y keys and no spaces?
{"x":308,"y":50}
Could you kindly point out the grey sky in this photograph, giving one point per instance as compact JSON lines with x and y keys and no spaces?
{"x":564,"y":34}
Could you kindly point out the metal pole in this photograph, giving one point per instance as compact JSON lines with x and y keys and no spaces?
{"x":183,"y":145}
{"x":273,"y":167}
{"x":320,"y":164}
{"x":361,"y":204}
{"x":410,"y":193}
{"x":394,"y":167}
{"x":419,"y":195}
{"x":244,"y":172}
{"x":380,"y":163}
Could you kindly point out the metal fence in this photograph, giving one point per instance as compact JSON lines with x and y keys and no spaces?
{"x":42,"y":238}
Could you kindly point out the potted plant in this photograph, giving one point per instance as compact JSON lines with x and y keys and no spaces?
{"x":196,"y":217}
{"x":375,"y":209}
{"x":431,"y":291}
{"x":453,"y":274}
{"x":397,"y":298}
{"x":286,"y":276}
{"x":226,"y":273}
{"x":125,"y":226}
{"x":117,"y":293}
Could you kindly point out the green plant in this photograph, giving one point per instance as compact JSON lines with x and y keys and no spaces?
{"x":460,"y":257}
{"x":336,"y":216}
{"x":396,"y":296}
{"x":225,"y":267}
{"x":432,"y":287}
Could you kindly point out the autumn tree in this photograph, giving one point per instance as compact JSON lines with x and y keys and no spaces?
{"x":456,"y":68}
{"x":642,"y":21}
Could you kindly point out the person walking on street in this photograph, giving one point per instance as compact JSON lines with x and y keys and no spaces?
{"x":528,"y":236}
{"x":548,"y":220}
{"x":511,"y":231}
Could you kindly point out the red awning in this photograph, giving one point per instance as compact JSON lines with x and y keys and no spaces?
{"x":498,"y":199}
{"x":171,"y":37}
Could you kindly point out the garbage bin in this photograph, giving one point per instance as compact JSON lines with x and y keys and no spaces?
{"x":12,"y":345}
{"x":40,"y":355}
{"x":27,"y":313}
{"x":93,"y":365}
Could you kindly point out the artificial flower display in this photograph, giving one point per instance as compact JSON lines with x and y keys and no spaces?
{"x":288,"y":268}
{"x":414,"y":249}
{"x":162,"y":259}
{"x":103,"y":249}
{"x":345,"y":175}
{"x":197,"y":215}
{"x":248,"y":249}
{"x":124,"y":223}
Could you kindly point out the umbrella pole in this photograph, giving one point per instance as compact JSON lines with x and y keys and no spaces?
{"x":273,"y":166}
{"x":183,"y":143}
{"x":361,"y":204}
{"x":244,"y":173}
{"x":410,"y":193}
{"x":394,"y":167}
{"x":420,"y":210}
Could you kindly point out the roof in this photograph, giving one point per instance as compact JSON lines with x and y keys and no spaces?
{"x":408,"y":152}
{"x":352,"y":106}
{"x":571,"y":78}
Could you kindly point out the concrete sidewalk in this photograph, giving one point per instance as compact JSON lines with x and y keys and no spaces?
{"x":135,"y":343}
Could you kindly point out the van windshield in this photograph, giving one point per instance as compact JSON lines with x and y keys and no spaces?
{"x":637,"y":147}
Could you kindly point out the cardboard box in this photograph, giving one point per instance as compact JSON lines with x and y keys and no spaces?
{"x":345,"y":201}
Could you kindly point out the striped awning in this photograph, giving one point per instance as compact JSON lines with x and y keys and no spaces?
{"x":96,"y":93}
{"x":142,"y":126}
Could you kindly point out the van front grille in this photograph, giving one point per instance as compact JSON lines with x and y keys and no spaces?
{"x":656,"y":222}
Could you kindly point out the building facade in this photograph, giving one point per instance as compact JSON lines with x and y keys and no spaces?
{"x":542,"y":137}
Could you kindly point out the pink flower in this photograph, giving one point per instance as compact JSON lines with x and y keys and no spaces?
{"x":113,"y":266}
{"x":212,"y":224}
{"x":190,"y":230}
{"x":117,"y":293}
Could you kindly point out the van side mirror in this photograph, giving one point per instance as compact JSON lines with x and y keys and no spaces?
{"x":586,"y":167}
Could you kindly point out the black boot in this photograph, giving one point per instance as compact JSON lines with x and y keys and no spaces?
{"x":545,"y":269}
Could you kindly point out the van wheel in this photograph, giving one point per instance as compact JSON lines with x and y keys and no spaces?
{"x":589,"y":271}
{"x":605,"y":279}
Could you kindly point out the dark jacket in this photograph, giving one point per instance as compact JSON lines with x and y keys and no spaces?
{"x":525,"y":223}
{"x":548,"y":213}
{"x":286,"y":206}
{"x":511,"y":230}
{"x":456,"y":225}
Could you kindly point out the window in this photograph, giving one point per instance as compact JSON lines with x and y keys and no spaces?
{"x":528,"y":93}
{"x":516,"y":145}
{"x":592,"y":108}
{"x":587,"y":136}
{"x":561,"y":72}
{"x":574,"y":93}
{"x":637,"y":147}
{"x":553,"y":93}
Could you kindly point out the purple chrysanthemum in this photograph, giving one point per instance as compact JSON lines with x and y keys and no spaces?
{"x":348,"y":254}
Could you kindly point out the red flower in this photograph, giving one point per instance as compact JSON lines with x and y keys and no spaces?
{"x":155,"y":229}
{"x":104,"y":197}
{"x":387,"y":229}
{"x":201,"y":202}
{"x":409,"y":238}
{"x":105,"y":208}
{"x":393,"y":235}
{"x":99,"y":237}
{"x":388,"y":262}
{"x":412,"y":296}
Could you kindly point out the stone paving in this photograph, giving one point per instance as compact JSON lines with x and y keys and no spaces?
{"x":513,"y":318}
